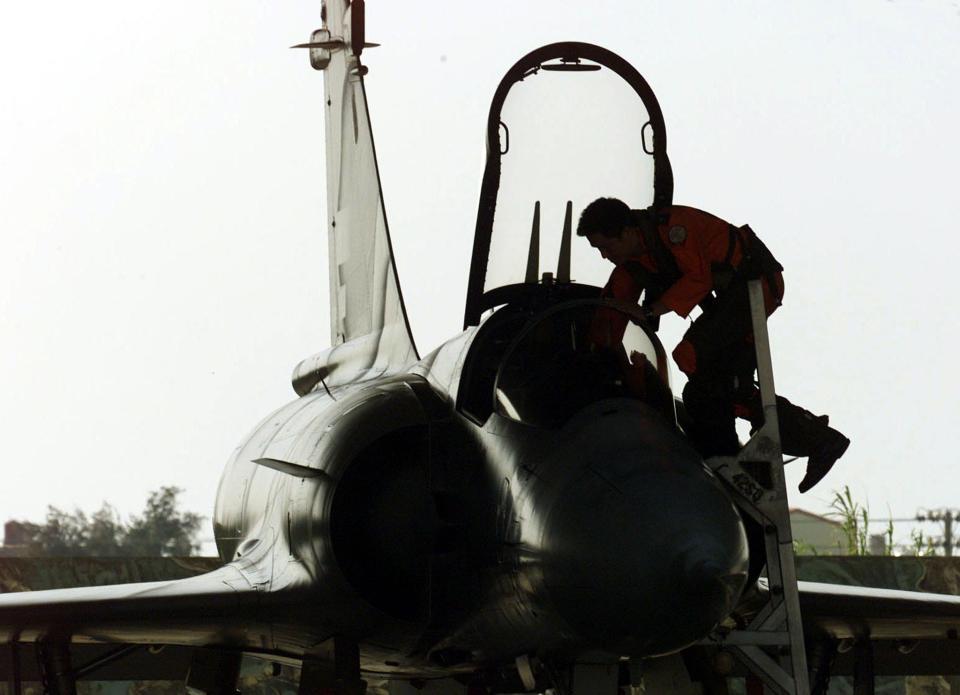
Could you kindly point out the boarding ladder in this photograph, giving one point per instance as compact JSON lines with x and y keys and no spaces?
{"x":771,"y":646}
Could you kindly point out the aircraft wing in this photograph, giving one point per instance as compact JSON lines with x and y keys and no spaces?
{"x":366,"y":305}
{"x":849,"y":612}
{"x":885,"y":631}
{"x":217,"y":608}
{"x":882,"y":631}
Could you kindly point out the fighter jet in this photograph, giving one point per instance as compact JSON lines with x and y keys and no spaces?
{"x":517,"y":503}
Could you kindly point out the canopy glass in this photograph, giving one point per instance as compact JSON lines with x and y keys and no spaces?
{"x":573,"y":136}
{"x":569,"y":123}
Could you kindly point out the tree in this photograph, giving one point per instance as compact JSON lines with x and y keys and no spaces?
{"x":105,"y":533}
{"x":161,"y":530}
{"x":62,"y":534}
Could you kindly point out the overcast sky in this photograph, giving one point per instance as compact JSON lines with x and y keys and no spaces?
{"x":164,"y":249}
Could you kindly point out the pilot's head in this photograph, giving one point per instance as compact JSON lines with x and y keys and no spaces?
{"x":613,"y":229}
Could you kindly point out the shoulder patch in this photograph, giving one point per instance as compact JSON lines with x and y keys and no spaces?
{"x":677,"y":234}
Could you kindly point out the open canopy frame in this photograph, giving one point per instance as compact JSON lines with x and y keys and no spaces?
{"x":484,"y":292}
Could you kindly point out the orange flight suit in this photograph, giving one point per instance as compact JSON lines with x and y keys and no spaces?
{"x":698,"y":242}
{"x":716,"y":352}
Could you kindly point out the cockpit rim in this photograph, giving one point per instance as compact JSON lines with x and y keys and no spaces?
{"x":632,"y":310}
{"x":466,"y":396}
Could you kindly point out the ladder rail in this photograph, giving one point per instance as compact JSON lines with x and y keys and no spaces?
{"x":778,"y":624}
{"x":787,"y":563}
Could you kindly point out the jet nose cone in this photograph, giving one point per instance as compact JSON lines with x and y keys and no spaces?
{"x":645,"y":553}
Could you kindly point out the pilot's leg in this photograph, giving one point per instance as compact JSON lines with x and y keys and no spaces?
{"x":706,"y":355}
{"x":804,"y":434}
{"x":801,"y":434}
{"x":712,"y":424}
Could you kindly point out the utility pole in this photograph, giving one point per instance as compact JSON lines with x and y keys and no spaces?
{"x":946,"y":517}
{"x":948,"y":533}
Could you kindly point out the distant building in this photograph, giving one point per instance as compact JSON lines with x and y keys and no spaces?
{"x":16,"y":539}
{"x":878,"y":544}
{"x":814,"y":534}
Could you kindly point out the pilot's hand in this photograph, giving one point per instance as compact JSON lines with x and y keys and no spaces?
{"x":638,"y":359}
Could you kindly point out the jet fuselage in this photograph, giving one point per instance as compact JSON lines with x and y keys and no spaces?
{"x":443,"y":540}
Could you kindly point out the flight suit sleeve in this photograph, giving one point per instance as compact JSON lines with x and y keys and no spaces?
{"x":696,"y":279}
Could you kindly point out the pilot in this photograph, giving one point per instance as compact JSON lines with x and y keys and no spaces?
{"x":681,"y":257}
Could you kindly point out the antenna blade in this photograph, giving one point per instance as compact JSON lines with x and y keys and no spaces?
{"x":563,"y":265}
{"x":331,"y":45}
{"x":533,"y":256}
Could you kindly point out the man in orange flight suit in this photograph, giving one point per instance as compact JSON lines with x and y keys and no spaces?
{"x":681,"y":257}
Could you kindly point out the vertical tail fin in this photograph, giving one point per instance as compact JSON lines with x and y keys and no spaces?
{"x":366,"y":305}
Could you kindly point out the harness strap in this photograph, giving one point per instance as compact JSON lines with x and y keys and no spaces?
{"x":666,"y":263}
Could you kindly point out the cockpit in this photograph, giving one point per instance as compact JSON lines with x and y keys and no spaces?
{"x":569,"y":123}
{"x":541,"y":370}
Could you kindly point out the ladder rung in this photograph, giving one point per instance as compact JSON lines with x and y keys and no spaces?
{"x":757,"y":637}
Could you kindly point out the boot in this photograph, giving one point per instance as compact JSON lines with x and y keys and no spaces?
{"x":804,"y":434}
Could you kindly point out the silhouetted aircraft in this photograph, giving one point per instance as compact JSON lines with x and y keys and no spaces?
{"x":514,"y":504}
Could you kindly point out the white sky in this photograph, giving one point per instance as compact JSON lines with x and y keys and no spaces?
{"x":163,"y":265}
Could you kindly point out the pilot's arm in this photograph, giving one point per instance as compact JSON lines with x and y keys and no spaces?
{"x":609,"y":325}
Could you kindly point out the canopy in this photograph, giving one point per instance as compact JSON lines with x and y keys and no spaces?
{"x":569,"y":123}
